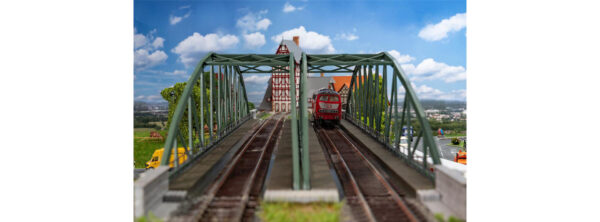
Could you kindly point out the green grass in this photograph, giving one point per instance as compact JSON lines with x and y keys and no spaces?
{"x":265,"y":115}
{"x":460,"y":145}
{"x":441,"y":218}
{"x":143,"y":149}
{"x":318,"y":212}
{"x":453,"y":135}
{"x":149,"y":218}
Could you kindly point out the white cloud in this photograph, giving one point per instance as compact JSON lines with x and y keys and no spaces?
{"x":256,"y":93}
{"x":347,"y":36}
{"x":440,"y":30}
{"x":400,"y":58}
{"x":176,"y":19}
{"x":310,"y":41}
{"x":149,"y":98}
{"x":139,"y":40}
{"x":263,"y":24}
{"x":253,"y":22}
{"x":193,"y":47}
{"x":290,"y":8}
{"x":426,"y":92}
{"x":254,"y":40}
{"x":176,"y":72}
{"x":158,"y":42}
{"x":430,"y":69}
{"x":144,"y":59}
{"x":146,"y":53}
{"x":258,"y":79}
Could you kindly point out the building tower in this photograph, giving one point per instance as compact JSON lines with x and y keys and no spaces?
{"x":280,"y":86}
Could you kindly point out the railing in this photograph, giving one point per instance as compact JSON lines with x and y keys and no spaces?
{"x":375,"y":111}
{"x":221,"y":105}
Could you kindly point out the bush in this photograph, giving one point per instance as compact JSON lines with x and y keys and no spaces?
{"x":455,"y":141}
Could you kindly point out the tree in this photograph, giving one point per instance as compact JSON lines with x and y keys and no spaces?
{"x":172,"y":95}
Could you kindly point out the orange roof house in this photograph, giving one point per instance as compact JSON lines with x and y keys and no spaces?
{"x":340,"y":81}
{"x":341,"y":85}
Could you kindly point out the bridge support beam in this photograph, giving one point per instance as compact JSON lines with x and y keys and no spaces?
{"x":304,"y":126}
{"x":294,"y":125}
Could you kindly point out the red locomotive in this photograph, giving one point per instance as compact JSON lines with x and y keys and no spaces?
{"x":327,"y":106}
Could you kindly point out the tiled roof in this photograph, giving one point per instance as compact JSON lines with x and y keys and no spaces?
{"x":340,"y":81}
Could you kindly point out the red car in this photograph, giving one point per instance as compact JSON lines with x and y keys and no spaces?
{"x":327,"y":106}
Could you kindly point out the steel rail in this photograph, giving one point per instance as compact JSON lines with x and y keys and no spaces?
{"x":247,"y":184}
{"x":214,"y":188}
{"x":354,"y":184}
{"x":381,"y":179}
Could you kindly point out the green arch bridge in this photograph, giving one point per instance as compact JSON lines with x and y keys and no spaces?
{"x":224,"y":103}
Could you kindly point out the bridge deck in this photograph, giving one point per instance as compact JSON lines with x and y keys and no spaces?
{"x":281,"y":173}
{"x":280,"y":178}
{"x":411,"y":179}
{"x":213,"y":159}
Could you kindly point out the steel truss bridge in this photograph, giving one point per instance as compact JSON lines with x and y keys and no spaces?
{"x":222,"y":101}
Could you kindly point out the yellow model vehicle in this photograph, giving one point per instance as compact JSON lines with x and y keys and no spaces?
{"x":461,"y":157}
{"x":158,"y":154}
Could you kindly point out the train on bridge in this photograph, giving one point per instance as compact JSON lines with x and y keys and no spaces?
{"x":327,"y":107}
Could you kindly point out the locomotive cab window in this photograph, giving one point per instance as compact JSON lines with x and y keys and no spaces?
{"x":323,"y":98}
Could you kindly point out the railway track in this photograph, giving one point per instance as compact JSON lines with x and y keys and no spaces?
{"x":367,"y":192}
{"x":234,"y":195}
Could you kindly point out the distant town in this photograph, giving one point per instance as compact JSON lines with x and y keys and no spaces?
{"x":441,"y":111}
{"x":445,"y":111}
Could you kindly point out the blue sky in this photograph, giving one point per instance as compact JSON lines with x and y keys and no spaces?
{"x":427,"y":37}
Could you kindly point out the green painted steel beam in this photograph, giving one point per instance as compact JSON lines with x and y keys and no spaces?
{"x":228,"y":94}
{"x":388,"y":120}
{"x":365,"y":97}
{"x":371,"y":99}
{"x":196,"y":123}
{"x":218,"y":96}
{"x":351,"y":101}
{"x":359,"y":95}
{"x":377,"y":103}
{"x":190,"y":131}
{"x":211,"y":105}
{"x":244,"y":90}
{"x":409,"y":125}
{"x":395,"y":109}
{"x":349,"y":63}
{"x":178,"y":114}
{"x":304,"y":124}
{"x":428,"y":135}
{"x":294,"y":126}
{"x":201,"y":114}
